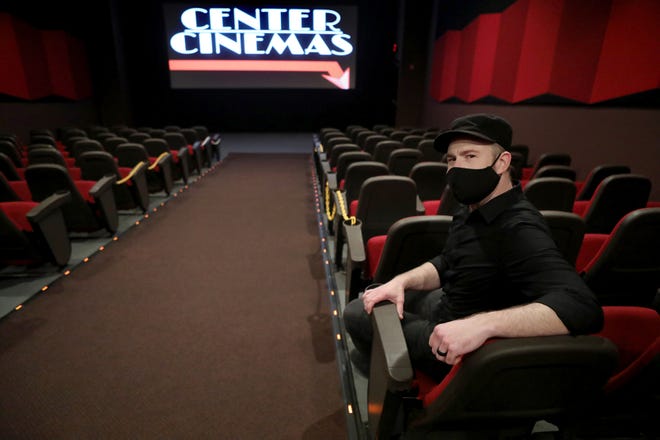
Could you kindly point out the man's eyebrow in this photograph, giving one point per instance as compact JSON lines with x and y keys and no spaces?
{"x":463,"y":152}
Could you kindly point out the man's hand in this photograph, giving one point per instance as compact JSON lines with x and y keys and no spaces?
{"x":449,"y":341}
{"x":392,"y":291}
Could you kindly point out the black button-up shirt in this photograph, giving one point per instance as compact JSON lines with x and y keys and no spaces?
{"x":502,"y":255}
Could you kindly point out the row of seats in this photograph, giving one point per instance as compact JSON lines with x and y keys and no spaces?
{"x":579,"y":384}
{"x":55,"y":187}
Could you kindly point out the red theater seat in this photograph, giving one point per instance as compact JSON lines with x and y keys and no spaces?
{"x":498,"y":391}
{"x":92,"y":206}
{"x":34,"y":233}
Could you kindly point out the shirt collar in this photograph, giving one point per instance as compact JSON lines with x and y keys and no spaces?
{"x":499,"y":204}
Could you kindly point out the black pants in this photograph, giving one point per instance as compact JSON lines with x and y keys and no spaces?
{"x":420,"y":316}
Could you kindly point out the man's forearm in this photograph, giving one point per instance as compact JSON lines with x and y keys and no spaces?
{"x":424,"y":277}
{"x":532,"y":319}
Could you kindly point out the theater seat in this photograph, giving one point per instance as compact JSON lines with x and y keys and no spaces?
{"x":408,"y":243}
{"x":92,"y":206}
{"x":631,"y":402}
{"x":383,"y":200}
{"x":181,"y":163}
{"x":626,"y":267}
{"x":33,"y":233}
{"x":498,"y":391}
{"x":14,"y":190}
{"x":159,"y":171}
{"x":616,"y":196}
{"x":130,"y":189}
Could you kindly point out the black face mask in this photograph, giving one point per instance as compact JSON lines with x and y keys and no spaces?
{"x":471,"y":186}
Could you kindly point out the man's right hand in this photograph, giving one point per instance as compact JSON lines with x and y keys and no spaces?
{"x":392,"y":291}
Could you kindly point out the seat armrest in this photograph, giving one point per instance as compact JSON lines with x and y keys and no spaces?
{"x":104,"y":197}
{"x":102,"y":185}
{"x":323,"y":157}
{"x":420,"y":208}
{"x":390,"y":373}
{"x":47,"y":206}
{"x":325,"y":165}
{"x":332,"y":180}
{"x":355,"y":243}
{"x":48,"y":223}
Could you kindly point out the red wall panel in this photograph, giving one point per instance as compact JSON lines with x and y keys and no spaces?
{"x":12,"y":74}
{"x":534,"y":70}
{"x":586,"y":51}
{"x":485,"y":52}
{"x":37,"y":64}
{"x":580,"y":42}
{"x":59,"y":64}
{"x":509,"y":48}
{"x":631,"y":45}
{"x":445,"y":65}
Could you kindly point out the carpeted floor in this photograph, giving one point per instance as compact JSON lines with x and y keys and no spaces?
{"x":208,"y":321}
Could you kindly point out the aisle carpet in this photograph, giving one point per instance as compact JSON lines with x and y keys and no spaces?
{"x":208,"y":321}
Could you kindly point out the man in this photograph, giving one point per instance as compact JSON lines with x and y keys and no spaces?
{"x":499,"y":275}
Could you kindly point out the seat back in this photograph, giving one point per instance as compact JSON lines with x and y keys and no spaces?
{"x":46,"y":155}
{"x":615,"y":197}
{"x":361,"y":137}
{"x":429,"y":153}
{"x":338,"y":150}
{"x":111,"y":143}
{"x":85,"y":145}
{"x":175,"y":140}
{"x":515,"y":382}
{"x":523,"y":151}
{"x":383,"y":150}
{"x":430,"y":178}
{"x":384,"y":200}
{"x":369,"y":143}
{"x":517,"y":165}
{"x":8,"y":192}
{"x":410,"y":242}
{"x":402,"y":160}
{"x":550,"y":159}
{"x":190,"y":134}
{"x":357,"y":173}
{"x":157,"y":132}
{"x":563,"y":171}
{"x":335,"y":140}
{"x":201,"y":130}
{"x":94,"y":165}
{"x":596,"y":176}
{"x":346,"y":159}
{"x":9,"y":149}
{"x":156,"y":146}
{"x":130,"y":154}
{"x":551,"y":193}
{"x":567,"y":230}
{"x":398,"y":135}
{"x":138,"y":137}
{"x":8,"y":168}
{"x":626,"y":270}
{"x":412,"y":140}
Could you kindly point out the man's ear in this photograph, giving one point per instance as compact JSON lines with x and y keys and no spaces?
{"x":503,"y":162}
